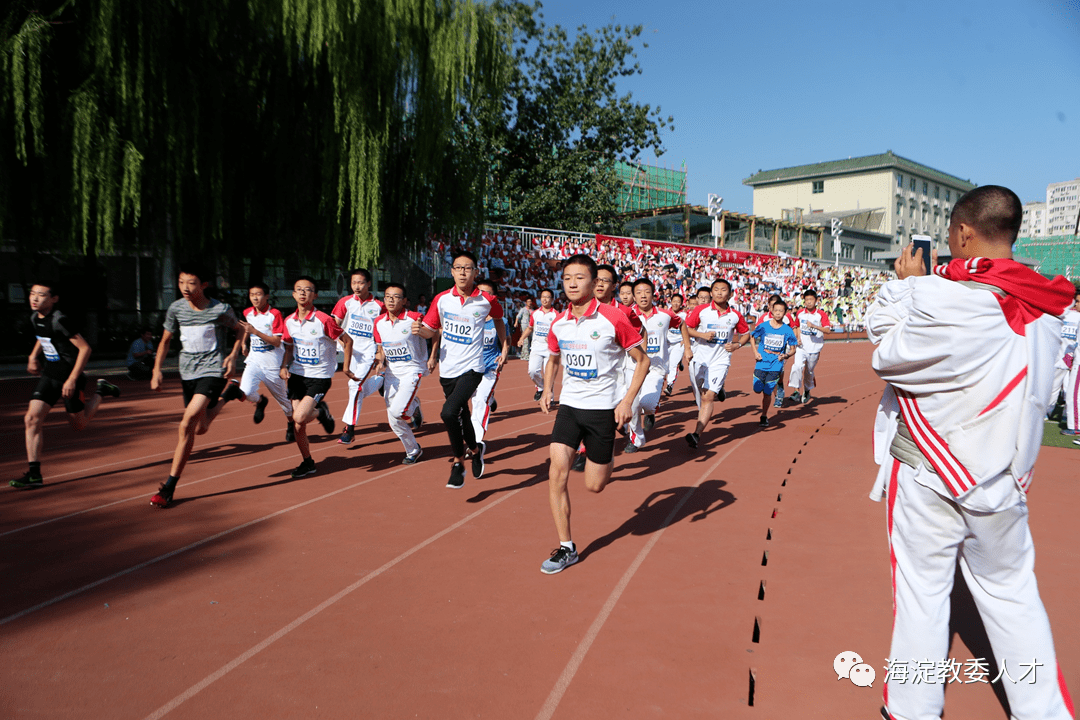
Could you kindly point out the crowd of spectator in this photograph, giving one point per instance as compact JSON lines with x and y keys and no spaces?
{"x":845,"y":292}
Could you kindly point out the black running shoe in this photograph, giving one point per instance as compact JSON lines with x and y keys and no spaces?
{"x":418,"y":419}
{"x":260,"y":409}
{"x":290,"y":434}
{"x":692,"y":440}
{"x":325,"y":418}
{"x":457,"y":476}
{"x":413,"y":458}
{"x":764,"y":422}
{"x":494,"y":404}
{"x":232,"y":391}
{"x":537,"y":394}
{"x":631,"y":448}
{"x":579,"y":463}
{"x":347,"y":437}
{"x":305,"y":468}
{"x":107,"y":389}
{"x":478,"y":459}
{"x":28,"y":480}
{"x":649,"y":423}
{"x":721,"y":395}
{"x":668,"y":388}
{"x":806,"y":397}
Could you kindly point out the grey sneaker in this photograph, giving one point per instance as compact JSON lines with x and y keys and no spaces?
{"x":418,"y":419}
{"x":779,"y":401}
{"x":413,"y":458}
{"x":795,"y":398}
{"x":631,"y":448}
{"x":649,"y":422}
{"x":561,"y":558}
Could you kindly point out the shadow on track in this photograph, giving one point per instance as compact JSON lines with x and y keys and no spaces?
{"x":650,"y":515}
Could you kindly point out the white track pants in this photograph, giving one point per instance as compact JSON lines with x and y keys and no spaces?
{"x":803,"y":360}
{"x":537,"y":360}
{"x":401,"y":402}
{"x":674,"y":357}
{"x":481,"y":404}
{"x":646,"y":401}
{"x":1072,"y":396}
{"x":270,"y":377}
{"x":928,"y":536}
{"x":360,"y":365}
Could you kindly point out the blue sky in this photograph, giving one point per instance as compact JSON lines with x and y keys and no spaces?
{"x":988,"y":91}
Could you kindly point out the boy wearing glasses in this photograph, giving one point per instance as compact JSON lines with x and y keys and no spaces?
{"x":310,"y":338}
{"x":460,"y":313}
{"x":402,"y":358}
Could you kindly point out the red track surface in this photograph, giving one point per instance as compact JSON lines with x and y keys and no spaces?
{"x":370,"y":590}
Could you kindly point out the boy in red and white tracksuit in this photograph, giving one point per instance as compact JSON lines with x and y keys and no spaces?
{"x":356,"y":315}
{"x":657,"y":323}
{"x":402,"y":357}
{"x":968,"y":357}
{"x":812,"y":324}
{"x":1067,"y":371}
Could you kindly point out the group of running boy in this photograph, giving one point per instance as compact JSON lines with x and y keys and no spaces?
{"x":386,"y":347}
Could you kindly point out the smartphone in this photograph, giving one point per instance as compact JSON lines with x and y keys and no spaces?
{"x":922,"y":241}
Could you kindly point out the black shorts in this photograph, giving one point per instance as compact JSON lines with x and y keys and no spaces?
{"x":595,"y":427}
{"x":300,"y":387}
{"x":49,"y":390}
{"x":211,"y":387}
{"x":765,"y":381}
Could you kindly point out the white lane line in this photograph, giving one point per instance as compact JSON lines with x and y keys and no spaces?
{"x":211,"y":538}
{"x":188,"y":483}
{"x":567,"y":676}
{"x":239,"y":660}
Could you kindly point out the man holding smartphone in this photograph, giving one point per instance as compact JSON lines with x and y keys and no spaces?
{"x":968,"y":355}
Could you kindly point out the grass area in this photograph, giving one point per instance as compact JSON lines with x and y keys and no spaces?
{"x":1052,"y":436}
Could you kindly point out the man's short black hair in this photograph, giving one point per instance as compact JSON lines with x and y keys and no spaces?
{"x":549,"y":291}
{"x":644,"y":281}
{"x":309,"y":279}
{"x":53,"y":285}
{"x":676,"y":295}
{"x":486,"y":281}
{"x":399,"y":286}
{"x":703,"y":289}
{"x":461,"y":253}
{"x":362,"y":272}
{"x":773,"y":298}
{"x":260,"y":285}
{"x":810,"y":293}
{"x":720,"y":280}
{"x":198,"y":269}
{"x":994,"y":211}
{"x":611,"y":269}
{"x":586,"y":261}
{"x":781,"y":301}
{"x":626,"y":283}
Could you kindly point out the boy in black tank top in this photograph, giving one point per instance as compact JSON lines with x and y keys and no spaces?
{"x":65,"y":353}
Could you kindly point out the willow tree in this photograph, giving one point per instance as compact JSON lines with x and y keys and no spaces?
{"x":334,"y":128}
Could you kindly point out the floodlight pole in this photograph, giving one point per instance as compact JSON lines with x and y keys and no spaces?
{"x":716,"y":212}
{"x":836,"y":233}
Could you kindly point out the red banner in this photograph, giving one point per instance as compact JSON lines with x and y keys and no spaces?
{"x":637,"y":245}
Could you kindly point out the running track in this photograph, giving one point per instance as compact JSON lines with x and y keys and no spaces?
{"x":370,"y":590}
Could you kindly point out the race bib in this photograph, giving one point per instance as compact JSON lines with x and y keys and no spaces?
{"x":259,"y":345}
{"x":396,"y":353}
{"x":653,"y":347}
{"x":198,"y":338}
{"x":723,"y":333}
{"x":456,"y":331}
{"x":1068,"y":332}
{"x":307,"y":353}
{"x":360,"y":327}
{"x":542,"y":330}
{"x":50,"y":350}
{"x":579,"y":361}
{"x":774,"y":343}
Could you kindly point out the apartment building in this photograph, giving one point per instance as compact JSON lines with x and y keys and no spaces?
{"x":1034,"y":224}
{"x":1062,"y":207}
{"x":912,"y":198}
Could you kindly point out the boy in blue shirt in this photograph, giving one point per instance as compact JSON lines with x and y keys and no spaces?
{"x":773,"y":343}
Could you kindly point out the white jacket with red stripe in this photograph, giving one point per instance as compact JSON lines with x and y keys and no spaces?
{"x":970,"y":374}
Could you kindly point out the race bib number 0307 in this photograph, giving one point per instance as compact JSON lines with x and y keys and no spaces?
{"x":580,"y":364}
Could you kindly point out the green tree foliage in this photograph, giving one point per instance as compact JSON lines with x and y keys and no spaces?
{"x":565,"y":124}
{"x":332,"y":128}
